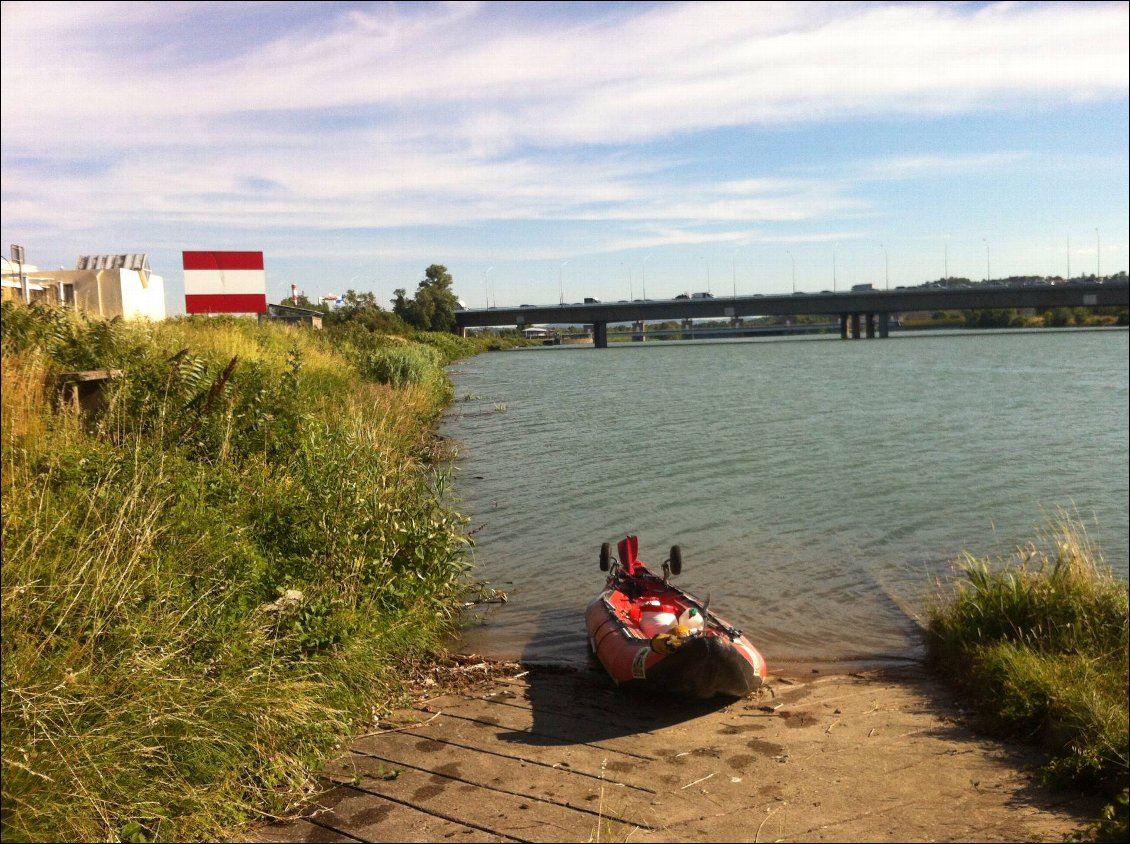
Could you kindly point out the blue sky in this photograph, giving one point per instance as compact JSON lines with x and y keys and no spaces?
{"x":561,"y":150}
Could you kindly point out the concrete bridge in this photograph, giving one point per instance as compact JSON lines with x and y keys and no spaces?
{"x":861,"y":313}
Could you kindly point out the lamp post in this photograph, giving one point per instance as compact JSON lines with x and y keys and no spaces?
{"x":734,"y":263}
{"x":560,"y":283}
{"x":486,"y":288}
{"x":643,"y":281}
{"x":789,"y":252}
{"x":886,"y":266}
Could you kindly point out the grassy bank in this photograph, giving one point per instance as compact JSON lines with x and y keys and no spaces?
{"x":1038,"y":645}
{"x":209,"y":584}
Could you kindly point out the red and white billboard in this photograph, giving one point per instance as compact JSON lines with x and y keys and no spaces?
{"x":224,"y":283}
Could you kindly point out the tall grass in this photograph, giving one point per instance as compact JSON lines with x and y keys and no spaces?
{"x":210,"y":584}
{"x":1038,"y":644}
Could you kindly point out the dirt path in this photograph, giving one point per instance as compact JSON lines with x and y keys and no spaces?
{"x":556,"y":755}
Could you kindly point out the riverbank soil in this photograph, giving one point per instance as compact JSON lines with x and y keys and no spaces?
{"x":501,"y":752}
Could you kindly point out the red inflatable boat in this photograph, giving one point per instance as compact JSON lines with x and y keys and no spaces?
{"x":649,"y":634}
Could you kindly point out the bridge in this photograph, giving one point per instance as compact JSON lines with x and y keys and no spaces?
{"x":860,"y":312}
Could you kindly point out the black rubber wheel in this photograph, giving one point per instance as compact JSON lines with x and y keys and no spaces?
{"x":605,"y":556}
{"x":676,"y":560}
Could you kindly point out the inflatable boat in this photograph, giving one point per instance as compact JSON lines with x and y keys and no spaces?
{"x":649,"y":634}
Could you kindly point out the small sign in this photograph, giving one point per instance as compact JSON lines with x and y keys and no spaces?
{"x":17,"y":254}
{"x":639,"y":663}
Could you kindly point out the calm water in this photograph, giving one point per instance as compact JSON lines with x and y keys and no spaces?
{"x":817,"y":487}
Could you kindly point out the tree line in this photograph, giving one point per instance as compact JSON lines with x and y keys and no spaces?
{"x":431,"y":308}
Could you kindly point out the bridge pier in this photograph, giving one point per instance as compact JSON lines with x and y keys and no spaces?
{"x":884,"y":325}
{"x":600,"y":335}
{"x":737,"y":322}
{"x":638,"y":330}
{"x":687,"y":325}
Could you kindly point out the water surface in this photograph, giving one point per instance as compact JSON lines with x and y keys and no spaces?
{"x":817,"y":487}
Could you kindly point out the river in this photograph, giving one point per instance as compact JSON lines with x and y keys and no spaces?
{"x":818,"y":488}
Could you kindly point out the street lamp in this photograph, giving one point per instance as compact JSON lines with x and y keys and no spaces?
{"x":643,"y":270}
{"x":486,"y":288}
{"x":560,"y":284}
{"x":630,"y":294}
{"x":789,"y":252}
{"x":886,"y":266}
{"x":734,"y":262}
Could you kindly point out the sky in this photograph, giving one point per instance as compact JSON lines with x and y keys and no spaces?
{"x":548,"y":152}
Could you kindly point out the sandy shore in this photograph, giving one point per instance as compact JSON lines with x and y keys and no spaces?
{"x":499,"y":752}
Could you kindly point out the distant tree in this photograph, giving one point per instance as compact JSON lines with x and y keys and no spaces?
{"x":362,"y":309}
{"x":434,"y":305}
{"x":993,"y":318}
{"x":301,"y":301}
{"x":1056,"y":317}
{"x":352,"y":301}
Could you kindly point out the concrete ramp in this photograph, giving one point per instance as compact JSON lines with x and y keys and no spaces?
{"x":562,"y":755}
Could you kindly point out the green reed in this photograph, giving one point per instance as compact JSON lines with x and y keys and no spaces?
{"x":1038,"y":644}
{"x":212,"y":583}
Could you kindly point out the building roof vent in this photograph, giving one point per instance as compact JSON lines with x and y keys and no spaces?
{"x":127,"y":261}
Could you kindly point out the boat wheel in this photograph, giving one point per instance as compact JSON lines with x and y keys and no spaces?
{"x":676,"y":560}
{"x":605,"y":556}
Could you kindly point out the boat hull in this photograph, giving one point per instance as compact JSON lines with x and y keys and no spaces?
{"x":715,"y":661}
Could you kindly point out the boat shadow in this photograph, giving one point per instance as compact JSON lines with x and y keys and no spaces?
{"x":576,"y":702}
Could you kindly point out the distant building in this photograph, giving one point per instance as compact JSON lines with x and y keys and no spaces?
{"x":104,"y":286}
{"x":294,"y":315}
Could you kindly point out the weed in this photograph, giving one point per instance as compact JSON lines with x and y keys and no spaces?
{"x":209,"y":585}
{"x":1039,"y":646}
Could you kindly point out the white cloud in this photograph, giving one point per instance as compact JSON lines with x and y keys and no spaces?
{"x":391,"y":116}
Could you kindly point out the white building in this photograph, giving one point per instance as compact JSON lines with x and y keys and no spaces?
{"x":103,"y":286}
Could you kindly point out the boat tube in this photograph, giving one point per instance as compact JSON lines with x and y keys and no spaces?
{"x":647,"y":633}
